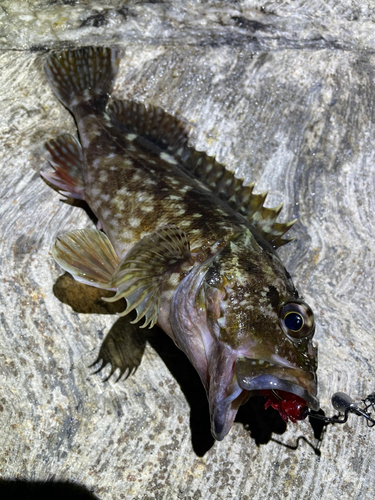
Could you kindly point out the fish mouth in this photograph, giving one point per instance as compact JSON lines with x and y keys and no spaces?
{"x":255,"y":375}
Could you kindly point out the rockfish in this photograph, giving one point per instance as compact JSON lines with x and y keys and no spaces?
{"x":188,"y":246}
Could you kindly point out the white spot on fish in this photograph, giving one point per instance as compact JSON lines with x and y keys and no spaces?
{"x":168,"y":158}
{"x":149,"y":182}
{"x":105,"y":214}
{"x":220,"y":211}
{"x":118,"y":202}
{"x":184,"y":223}
{"x":147,"y":208}
{"x":95,"y":192}
{"x":174,"y":279}
{"x":123,"y":192}
{"x":221,"y":322}
{"x":127,"y":162}
{"x":174,"y":181}
{"x":85,"y":141}
{"x":142,"y":197}
{"x":134,"y":221}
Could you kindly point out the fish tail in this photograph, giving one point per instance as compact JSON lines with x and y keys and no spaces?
{"x":83,"y":75}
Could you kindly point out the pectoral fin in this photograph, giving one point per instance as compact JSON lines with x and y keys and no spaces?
{"x":88,"y":255}
{"x":143,"y":272}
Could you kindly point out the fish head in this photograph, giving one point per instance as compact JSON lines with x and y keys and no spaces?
{"x":240,"y":321}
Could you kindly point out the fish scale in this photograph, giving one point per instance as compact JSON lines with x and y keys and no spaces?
{"x":183,"y":241}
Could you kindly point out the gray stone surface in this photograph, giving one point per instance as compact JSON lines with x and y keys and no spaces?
{"x":283,"y":93}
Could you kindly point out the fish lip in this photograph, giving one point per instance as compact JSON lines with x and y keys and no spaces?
{"x":267,"y":381}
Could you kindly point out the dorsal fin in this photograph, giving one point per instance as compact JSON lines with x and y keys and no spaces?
{"x":171,"y":133}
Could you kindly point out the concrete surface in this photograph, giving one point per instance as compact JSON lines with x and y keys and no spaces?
{"x":281,"y":92}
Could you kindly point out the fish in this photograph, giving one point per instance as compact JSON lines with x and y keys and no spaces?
{"x":188,"y":245}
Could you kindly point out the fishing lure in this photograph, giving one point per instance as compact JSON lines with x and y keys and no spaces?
{"x":345,"y":404}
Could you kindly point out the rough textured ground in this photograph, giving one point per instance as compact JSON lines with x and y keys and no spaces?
{"x":283,"y":93}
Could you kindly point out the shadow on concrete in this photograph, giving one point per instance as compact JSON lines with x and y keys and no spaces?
{"x":41,"y":490}
{"x":123,"y":348}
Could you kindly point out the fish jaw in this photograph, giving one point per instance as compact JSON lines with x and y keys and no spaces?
{"x":234,"y":378}
{"x":225,"y":395}
{"x":257,"y":375}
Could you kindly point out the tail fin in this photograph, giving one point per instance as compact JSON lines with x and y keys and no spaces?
{"x":82,"y":75}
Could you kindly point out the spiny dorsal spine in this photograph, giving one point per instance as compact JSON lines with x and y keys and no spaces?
{"x":171,"y":133}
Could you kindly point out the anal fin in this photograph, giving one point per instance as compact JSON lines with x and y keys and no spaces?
{"x":65,"y":156}
{"x":88,"y":255}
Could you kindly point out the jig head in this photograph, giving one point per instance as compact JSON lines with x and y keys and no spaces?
{"x":344,"y":404}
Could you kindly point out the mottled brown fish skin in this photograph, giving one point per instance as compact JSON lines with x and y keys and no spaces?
{"x":133,"y":191}
{"x":179,"y":253}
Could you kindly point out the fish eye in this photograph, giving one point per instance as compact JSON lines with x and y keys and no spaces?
{"x":296,"y":319}
{"x":293,"y":321}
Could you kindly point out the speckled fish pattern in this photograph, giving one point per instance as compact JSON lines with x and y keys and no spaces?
{"x":181,"y":239}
